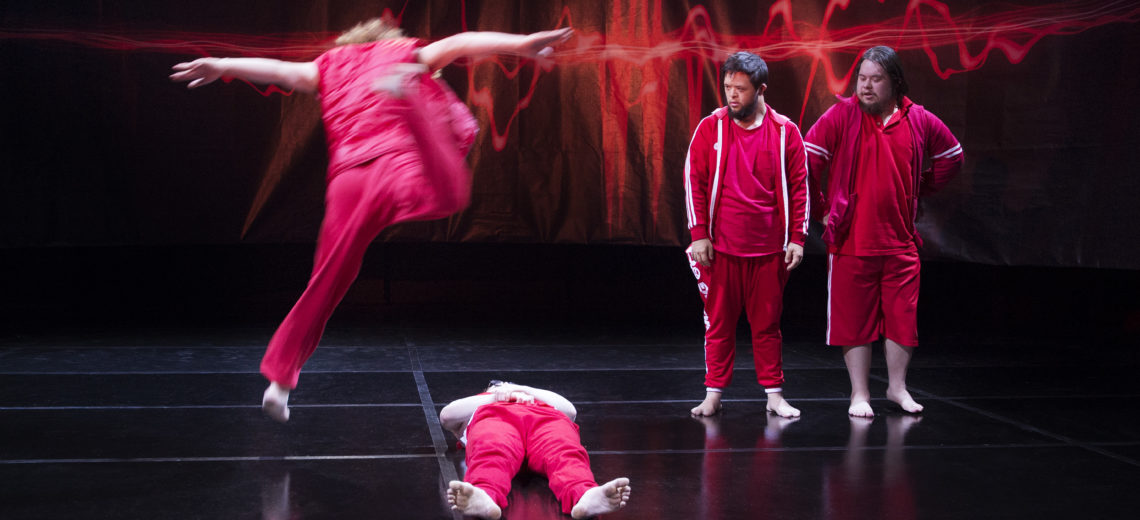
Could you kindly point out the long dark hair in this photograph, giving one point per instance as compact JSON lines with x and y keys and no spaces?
{"x":888,"y":59}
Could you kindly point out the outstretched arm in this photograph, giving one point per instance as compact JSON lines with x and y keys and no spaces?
{"x":437,"y":55}
{"x":300,"y":76}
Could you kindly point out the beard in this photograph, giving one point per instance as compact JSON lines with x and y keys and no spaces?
{"x":877,"y":108}
{"x":745,"y":112}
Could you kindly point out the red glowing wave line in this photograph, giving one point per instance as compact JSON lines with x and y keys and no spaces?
{"x":926,"y":25}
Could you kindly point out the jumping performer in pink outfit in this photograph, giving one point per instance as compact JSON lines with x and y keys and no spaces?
{"x":510,"y":425}
{"x":397,"y":139}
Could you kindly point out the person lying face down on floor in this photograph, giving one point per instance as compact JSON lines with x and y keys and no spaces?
{"x":509,"y":425}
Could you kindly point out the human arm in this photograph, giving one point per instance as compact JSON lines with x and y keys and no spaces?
{"x":469,"y":44}
{"x":820,"y":144}
{"x":455,"y":416}
{"x":299,"y":76}
{"x":509,"y":391}
{"x":946,"y":156}
{"x":696,"y":193}
{"x":799,"y":197}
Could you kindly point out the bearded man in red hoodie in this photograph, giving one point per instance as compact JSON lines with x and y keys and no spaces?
{"x":746,"y":200}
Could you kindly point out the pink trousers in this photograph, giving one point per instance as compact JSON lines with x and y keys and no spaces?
{"x":503,"y":436}
{"x":751,"y":285}
{"x":427,"y":183}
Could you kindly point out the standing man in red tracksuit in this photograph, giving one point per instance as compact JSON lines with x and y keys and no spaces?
{"x":869,"y":149}
{"x":747,"y":203}
{"x":396,"y":139}
{"x":509,"y":426}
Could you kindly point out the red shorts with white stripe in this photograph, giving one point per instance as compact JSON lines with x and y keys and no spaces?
{"x":872,"y":296}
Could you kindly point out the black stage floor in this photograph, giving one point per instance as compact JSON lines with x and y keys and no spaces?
{"x":129,"y":388}
{"x":150,"y":423}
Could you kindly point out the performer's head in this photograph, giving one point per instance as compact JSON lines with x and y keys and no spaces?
{"x":745,"y":79}
{"x":879,"y":81}
{"x":495,"y":383}
{"x":372,"y":30}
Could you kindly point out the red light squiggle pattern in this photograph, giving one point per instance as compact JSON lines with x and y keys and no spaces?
{"x":629,"y":55}
{"x":926,"y":25}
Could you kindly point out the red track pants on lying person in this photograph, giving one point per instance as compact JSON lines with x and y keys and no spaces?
{"x":504,"y":435}
{"x":753,"y":285}
{"x":428,"y":183}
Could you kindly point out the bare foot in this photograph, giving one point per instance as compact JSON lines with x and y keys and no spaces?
{"x":709,"y":407}
{"x":904,"y":400}
{"x":275,"y":402}
{"x":471,"y":501}
{"x":779,"y":406}
{"x":606,"y":498}
{"x":860,"y":408}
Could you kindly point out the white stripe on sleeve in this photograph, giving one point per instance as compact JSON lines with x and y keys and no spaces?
{"x":954,"y":150}
{"x":818,"y":150}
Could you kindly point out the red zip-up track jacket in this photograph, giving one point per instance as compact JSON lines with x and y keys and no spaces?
{"x":707,"y":162}
{"x":832,"y":143}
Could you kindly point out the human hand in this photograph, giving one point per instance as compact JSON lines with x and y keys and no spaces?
{"x":199,"y":72}
{"x":503,"y":391}
{"x":702,"y":251}
{"x":398,"y":80}
{"x":794,"y":256}
{"x":541,"y":44}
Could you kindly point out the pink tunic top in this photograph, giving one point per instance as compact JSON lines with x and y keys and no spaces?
{"x":361,"y":125}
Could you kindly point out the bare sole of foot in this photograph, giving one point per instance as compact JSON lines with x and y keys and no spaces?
{"x":606,"y":498}
{"x":275,"y":402}
{"x":472,"y":501}
{"x":860,"y":409}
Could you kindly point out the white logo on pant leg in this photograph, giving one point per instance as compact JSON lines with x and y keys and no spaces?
{"x":704,"y":288}
{"x":706,"y":315}
{"x":693,"y":264}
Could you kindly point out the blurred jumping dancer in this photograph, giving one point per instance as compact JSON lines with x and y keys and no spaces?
{"x":397,"y":139}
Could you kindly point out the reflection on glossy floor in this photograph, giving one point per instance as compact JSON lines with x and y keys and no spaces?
{"x":166,"y":423}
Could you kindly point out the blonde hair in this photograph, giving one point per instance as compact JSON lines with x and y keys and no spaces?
{"x":371,"y":30}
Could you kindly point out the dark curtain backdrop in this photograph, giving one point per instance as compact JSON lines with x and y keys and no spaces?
{"x":98,"y":148}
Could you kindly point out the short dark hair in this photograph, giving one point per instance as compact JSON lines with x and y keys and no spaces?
{"x":888,"y":59}
{"x":749,"y":64}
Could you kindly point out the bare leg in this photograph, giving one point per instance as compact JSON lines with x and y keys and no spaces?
{"x":898,"y":359}
{"x":606,"y":498}
{"x":778,"y":406}
{"x":472,"y":501}
{"x":709,"y":407}
{"x":275,"y":402}
{"x":858,"y":360}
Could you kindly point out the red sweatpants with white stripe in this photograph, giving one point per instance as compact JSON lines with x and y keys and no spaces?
{"x":752,"y":285}
{"x":427,"y":183}
{"x":502,"y":436}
